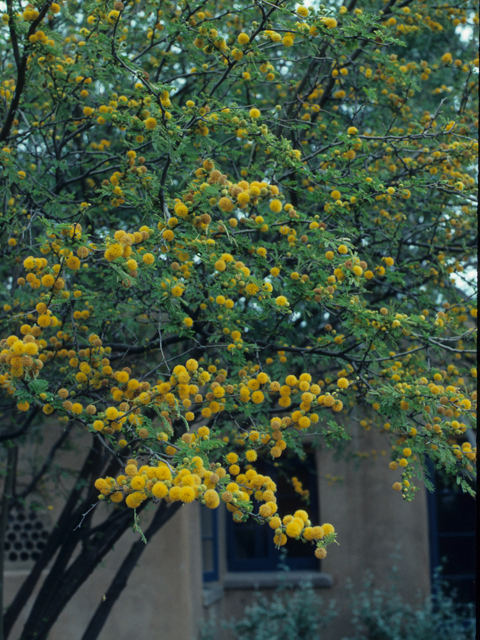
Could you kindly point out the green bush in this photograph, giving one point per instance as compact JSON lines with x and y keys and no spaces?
{"x":381,"y":614}
{"x":292,"y":614}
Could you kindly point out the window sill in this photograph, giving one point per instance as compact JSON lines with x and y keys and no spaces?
{"x":273,"y":579}
{"x":212,"y":593}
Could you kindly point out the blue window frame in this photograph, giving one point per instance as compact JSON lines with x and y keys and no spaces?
{"x":209,"y":537}
{"x":451,"y":515}
{"x":250,"y":546}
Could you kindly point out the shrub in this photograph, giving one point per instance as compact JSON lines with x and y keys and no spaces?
{"x":381,"y":614}
{"x":291,"y":614}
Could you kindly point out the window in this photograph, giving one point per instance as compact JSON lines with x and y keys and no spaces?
{"x":209,"y":529}
{"x":25,"y":537}
{"x":452,"y":537}
{"x":250,"y":546}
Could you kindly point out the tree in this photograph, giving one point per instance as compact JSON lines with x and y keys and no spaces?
{"x":224,"y":225}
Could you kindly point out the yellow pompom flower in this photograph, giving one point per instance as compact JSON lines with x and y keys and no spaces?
{"x":138,"y":483}
{"x":342,"y":383}
{"x":148,"y":258}
{"x":276,"y":206}
{"x":318,"y":533}
{"x":243,"y":39}
{"x":212,"y":499}
{"x":150,"y":124}
{"x":100,"y":484}
{"x":73,"y":263}
{"x":280,"y":540}
{"x":135,"y":499}
{"x":31,"y":349}
{"x":225,"y":204}
{"x":77,"y":408}
{"x":330,"y":23}
{"x":337,"y":405}
{"x":122,"y":377}
{"x":111,"y":413}
{"x":258,"y":397}
{"x":163,"y":472}
{"x":191,"y":365}
{"x":300,"y":513}
{"x":254,"y":113}
{"x":304,"y":422}
{"x":44,"y":320}
{"x":29,"y":263}
{"x":159,"y":490}
{"x":181,"y":210}
{"x":294,"y":528}
{"x":308,"y":533}
{"x":220,"y":265}
{"x":187,"y":494}
{"x":243,"y":198}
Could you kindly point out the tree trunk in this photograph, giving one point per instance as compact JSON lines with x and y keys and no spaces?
{"x":119,"y":582}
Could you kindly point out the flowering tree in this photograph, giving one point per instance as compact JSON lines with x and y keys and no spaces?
{"x":224,"y":226}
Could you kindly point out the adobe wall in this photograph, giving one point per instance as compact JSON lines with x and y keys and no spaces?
{"x":373,"y":522}
{"x":157,"y":602}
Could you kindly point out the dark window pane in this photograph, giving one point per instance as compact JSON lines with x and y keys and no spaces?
{"x":465,"y":590}
{"x":209,"y":538}
{"x":206,"y":521}
{"x":457,"y":554}
{"x":250,"y":540}
{"x":455,"y":511}
{"x":207,"y":554}
{"x":250,"y":546}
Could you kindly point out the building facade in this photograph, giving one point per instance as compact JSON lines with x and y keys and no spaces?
{"x":201,"y":563}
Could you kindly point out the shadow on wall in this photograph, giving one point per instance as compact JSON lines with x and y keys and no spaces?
{"x":299,"y":614}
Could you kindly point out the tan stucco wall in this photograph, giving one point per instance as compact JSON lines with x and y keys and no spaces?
{"x":373,"y":522}
{"x":163,"y":597}
{"x":157,"y":602}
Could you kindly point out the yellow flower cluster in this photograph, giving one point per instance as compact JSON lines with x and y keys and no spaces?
{"x":191,"y":481}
